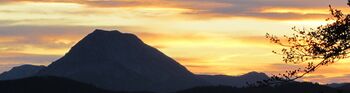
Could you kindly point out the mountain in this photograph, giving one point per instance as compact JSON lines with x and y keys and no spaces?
{"x":49,"y":85}
{"x":121,"y":61}
{"x":235,"y":81}
{"x":216,"y":80}
{"x":22,"y":71}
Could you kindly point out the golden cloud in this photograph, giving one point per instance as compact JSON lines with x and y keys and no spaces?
{"x":274,"y":9}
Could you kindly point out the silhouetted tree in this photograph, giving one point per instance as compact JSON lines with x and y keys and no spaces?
{"x":318,"y":47}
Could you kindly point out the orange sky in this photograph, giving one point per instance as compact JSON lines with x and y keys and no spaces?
{"x":207,"y":36}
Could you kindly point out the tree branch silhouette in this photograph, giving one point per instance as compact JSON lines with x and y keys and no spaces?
{"x":325,"y":45}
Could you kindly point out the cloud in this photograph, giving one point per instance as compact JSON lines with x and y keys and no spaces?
{"x":326,"y":79}
{"x":222,"y":8}
{"x":254,"y":8}
{"x":42,"y":37}
{"x":20,"y":58}
{"x":188,"y":59}
{"x":280,"y":68}
{"x":9,"y":60}
{"x":58,"y":39}
{"x":76,"y":14}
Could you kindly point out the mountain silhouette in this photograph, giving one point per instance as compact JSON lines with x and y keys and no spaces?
{"x":27,"y":70}
{"x":121,"y":61}
{"x":235,"y":81}
{"x":22,"y":71}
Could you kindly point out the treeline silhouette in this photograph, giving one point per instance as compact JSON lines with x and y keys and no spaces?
{"x":49,"y":84}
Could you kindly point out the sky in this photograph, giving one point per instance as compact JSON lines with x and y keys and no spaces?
{"x":207,"y":36}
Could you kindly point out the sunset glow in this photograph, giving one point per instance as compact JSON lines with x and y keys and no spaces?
{"x":208,"y":37}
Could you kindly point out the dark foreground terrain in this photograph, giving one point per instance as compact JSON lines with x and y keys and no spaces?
{"x":287,"y":88}
{"x":62,"y":85}
{"x":50,"y":85}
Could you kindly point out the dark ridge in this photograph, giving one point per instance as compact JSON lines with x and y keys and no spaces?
{"x":295,"y":87}
{"x":22,"y":71}
{"x":49,"y":84}
{"x":235,"y":81}
{"x":344,"y":86}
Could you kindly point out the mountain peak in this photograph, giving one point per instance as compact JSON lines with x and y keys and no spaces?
{"x":106,"y":31}
{"x":254,"y":73}
{"x":121,"y":61}
{"x":111,"y":36}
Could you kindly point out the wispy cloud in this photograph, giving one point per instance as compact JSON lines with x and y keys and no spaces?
{"x":21,"y":58}
{"x":224,"y":8}
{"x":327,"y":80}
